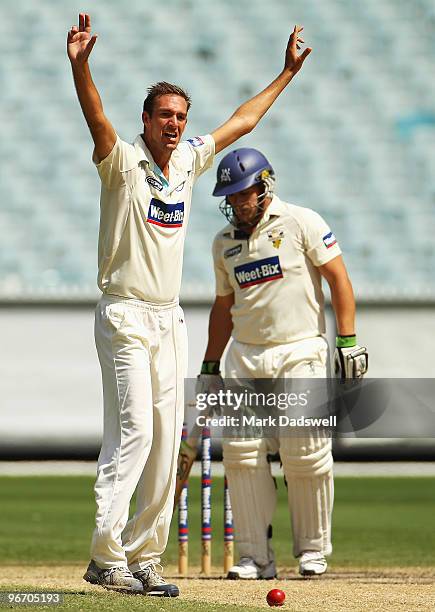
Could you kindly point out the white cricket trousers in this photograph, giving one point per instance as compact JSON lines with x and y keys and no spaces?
{"x":306,"y":457}
{"x":142,"y":349}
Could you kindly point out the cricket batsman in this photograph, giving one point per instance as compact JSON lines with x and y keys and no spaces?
{"x":140,"y":334}
{"x":269,"y":262}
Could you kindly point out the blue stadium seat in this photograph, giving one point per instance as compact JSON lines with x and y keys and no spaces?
{"x":354,"y":136}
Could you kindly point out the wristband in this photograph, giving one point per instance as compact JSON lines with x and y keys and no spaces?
{"x":210,"y":367}
{"x":346,"y":341}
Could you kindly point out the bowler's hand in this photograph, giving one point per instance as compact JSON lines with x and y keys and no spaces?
{"x":79,"y":41}
{"x":293,"y":61}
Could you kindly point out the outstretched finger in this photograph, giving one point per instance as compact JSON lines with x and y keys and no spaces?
{"x":294,"y":38}
{"x":306,"y":53}
{"x":87,"y":22}
{"x":90,"y":45}
{"x":81,"y":22}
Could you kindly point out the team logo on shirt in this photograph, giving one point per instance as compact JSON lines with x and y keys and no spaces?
{"x":196,"y":142}
{"x":154,"y":183}
{"x":257,"y":272}
{"x":233,"y":251}
{"x":329,"y":240}
{"x":275,"y":236}
{"x":165,"y":215}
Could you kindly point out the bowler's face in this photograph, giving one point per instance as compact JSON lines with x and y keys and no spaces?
{"x":166,"y":124}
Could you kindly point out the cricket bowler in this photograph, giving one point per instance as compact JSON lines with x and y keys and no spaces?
{"x":140,"y":333}
{"x":269,"y":262}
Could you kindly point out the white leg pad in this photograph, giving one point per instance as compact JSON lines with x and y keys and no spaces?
{"x":307,"y":463}
{"x":253,"y":496}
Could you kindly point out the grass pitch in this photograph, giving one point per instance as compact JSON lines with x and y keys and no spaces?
{"x":349,"y":591}
{"x":382,"y":534}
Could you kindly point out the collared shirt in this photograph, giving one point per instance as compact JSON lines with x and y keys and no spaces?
{"x":274,"y":274}
{"x":143,"y":221}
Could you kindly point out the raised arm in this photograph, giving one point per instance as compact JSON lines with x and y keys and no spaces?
{"x":249,"y":114}
{"x":80,"y":43}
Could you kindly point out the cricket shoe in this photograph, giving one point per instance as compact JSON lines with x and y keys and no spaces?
{"x":248,"y":569}
{"x":154,"y":584}
{"x":312,"y":563}
{"x":115,"y":578}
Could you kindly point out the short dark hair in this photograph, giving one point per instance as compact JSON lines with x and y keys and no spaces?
{"x":161,"y":89}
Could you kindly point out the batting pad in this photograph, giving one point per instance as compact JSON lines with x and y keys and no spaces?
{"x":307,"y":463}
{"x":253,"y":496}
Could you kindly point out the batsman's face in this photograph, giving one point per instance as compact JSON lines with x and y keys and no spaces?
{"x":166,"y":124}
{"x":245,"y":203}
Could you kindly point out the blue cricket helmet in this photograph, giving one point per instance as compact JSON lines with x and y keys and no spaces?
{"x":237,"y":171}
{"x":241,"y":169}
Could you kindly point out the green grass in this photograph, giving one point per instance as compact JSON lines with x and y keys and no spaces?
{"x":46,"y":519}
{"x":377,"y":522}
{"x":114,"y":602}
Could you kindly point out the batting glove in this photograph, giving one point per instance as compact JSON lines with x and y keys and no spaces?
{"x":210,"y":381}
{"x":350,"y":359}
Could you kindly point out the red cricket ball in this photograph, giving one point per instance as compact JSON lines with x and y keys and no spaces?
{"x":275,"y":597}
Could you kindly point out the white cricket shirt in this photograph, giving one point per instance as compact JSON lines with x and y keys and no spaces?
{"x":143,"y":218}
{"x":277,"y":287}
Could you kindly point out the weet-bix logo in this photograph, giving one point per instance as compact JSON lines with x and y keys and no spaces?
{"x":166,"y":215}
{"x":258,"y":272}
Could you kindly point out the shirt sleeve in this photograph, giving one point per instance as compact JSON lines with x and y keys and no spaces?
{"x":223,"y":286}
{"x":112,"y":168}
{"x":202,"y":149}
{"x":319,"y":241}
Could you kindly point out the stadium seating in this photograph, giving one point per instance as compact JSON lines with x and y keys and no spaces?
{"x":353,"y":137}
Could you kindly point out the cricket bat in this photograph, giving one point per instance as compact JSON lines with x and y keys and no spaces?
{"x":186,"y":457}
